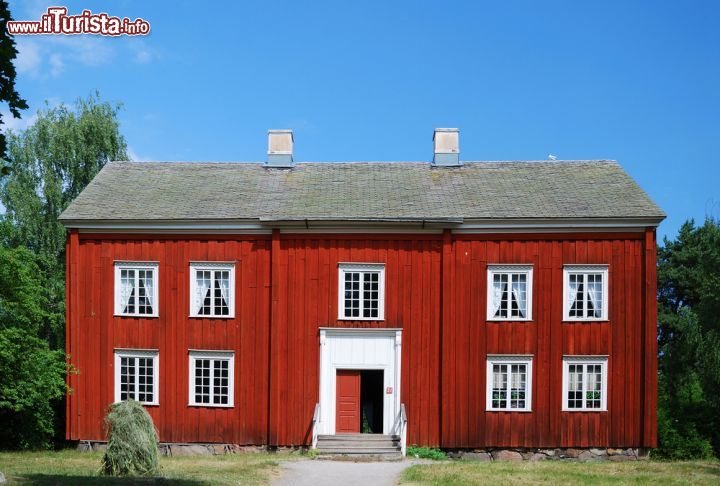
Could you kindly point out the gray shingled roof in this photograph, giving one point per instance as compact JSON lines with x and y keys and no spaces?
{"x":392,"y":191}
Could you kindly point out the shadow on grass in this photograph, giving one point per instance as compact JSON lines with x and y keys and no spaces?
{"x":60,"y":479}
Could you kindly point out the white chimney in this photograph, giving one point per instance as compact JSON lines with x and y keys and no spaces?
{"x":446,"y":143}
{"x":280,"y":148}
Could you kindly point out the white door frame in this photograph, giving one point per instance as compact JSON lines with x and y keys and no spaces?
{"x":376,"y":349}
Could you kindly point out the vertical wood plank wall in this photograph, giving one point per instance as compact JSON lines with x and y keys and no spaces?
{"x":286,"y":289}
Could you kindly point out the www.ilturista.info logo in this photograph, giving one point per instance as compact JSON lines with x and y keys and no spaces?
{"x":57,"y":21}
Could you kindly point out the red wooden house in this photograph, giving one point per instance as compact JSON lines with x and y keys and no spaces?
{"x":490,"y":304}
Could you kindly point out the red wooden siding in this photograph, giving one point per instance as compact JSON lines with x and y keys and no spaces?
{"x":468,"y":338}
{"x":286,"y":289}
{"x":94,"y":334}
{"x":305,"y":299}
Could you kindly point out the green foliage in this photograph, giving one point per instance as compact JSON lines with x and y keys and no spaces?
{"x":8,"y":94}
{"x":132,"y":445}
{"x":425,"y":453}
{"x":689,"y":343}
{"x":32,"y":375}
{"x":50,"y":162}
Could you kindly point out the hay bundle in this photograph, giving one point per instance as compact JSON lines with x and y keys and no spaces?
{"x":132,"y":443}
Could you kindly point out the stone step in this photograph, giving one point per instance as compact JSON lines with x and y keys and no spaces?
{"x":351,"y":445}
{"x":359,"y":437}
{"x":360,"y":451}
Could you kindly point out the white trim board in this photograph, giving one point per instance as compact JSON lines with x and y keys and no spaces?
{"x":585,"y":360}
{"x":360,"y":349}
{"x":228,"y":356}
{"x":120,"y":353}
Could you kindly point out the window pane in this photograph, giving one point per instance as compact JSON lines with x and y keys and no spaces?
{"x":500,"y":295}
{"x":145,"y":380}
{"x":127,"y":378}
{"x":202,"y":381}
{"x":518,"y":385}
{"x":203,"y":286}
{"x":222,"y":293}
{"x":575,"y":386}
{"x":352,"y":294}
{"x":593,"y":395}
{"x":499,"y":388}
{"x":220,"y":382}
{"x":371,"y":286}
{"x":145,"y":291}
{"x":127,"y":291}
{"x":595,"y":295}
{"x":519,"y":294}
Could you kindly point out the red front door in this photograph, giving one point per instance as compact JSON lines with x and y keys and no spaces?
{"x":347,"y":407}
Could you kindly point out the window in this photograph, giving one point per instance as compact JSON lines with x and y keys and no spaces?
{"x":136,"y":376}
{"x":509,"y":383}
{"x":584,"y":383}
{"x":136,"y":289}
{"x":509,"y":294}
{"x":586,"y":293}
{"x":211,"y":378}
{"x":361,"y":292}
{"x":212,"y":290}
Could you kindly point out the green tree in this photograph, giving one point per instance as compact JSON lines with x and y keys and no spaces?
{"x":32,"y":376}
{"x":8,"y":94}
{"x":689,"y":342}
{"x":51,"y":163}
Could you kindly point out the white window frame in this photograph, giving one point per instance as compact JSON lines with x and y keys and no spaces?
{"x":361,"y":268}
{"x":122,"y":265}
{"x":584,"y":269}
{"x":493,"y":270}
{"x":584,"y":360}
{"x":501,"y":359}
{"x":229,"y":356}
{"x":212,"y":267}
{"x":138,"y":353}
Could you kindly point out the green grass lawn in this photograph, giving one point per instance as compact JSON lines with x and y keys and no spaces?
{"x":564,"y":473}
{"x":72,"y":467}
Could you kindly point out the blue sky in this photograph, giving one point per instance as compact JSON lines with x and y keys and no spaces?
{"x":638,"y":82}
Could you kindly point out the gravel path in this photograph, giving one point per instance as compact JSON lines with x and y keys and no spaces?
{"x":321,"y":472}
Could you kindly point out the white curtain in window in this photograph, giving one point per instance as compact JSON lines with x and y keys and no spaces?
{"x":148,"y":283}
{"x":515,"y":380}
{"x":497,"y":295}
{"x":497,"y":379}
{"x":591,"y":380}
{"x":520,"y":297}
{"x":202,"y":286}
{"x":127,"y":286}
{"x":594,"y":290}
{"x":573,"y":291}
{"x":225,"y":287}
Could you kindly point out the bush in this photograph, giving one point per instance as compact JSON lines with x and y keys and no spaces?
{"x":132,"y":448}
{"x":679,"y":439}
{"x":425,"y":453}
{"x":32,"y":379}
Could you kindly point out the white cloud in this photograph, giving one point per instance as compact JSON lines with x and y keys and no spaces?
{"x":57,"y":66}
{"x":16,"y":124}
{"x":85,"y":49}
{"x":28,"y":59}
{"x":135,"y":157}
{"x":143,"y":56}
{"x":49,"y":56}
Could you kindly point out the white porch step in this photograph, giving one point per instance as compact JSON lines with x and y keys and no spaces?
{"x":359,"y":437}
{"x":359,"y":445}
